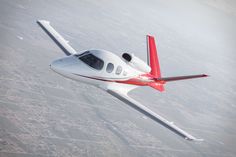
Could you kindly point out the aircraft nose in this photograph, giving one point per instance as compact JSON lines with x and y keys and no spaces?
{"x":61,"y":64}
{"x":57,"y":64}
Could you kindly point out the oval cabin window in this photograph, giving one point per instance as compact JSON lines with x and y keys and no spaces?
{"x":110,"y":67}
{"x":118,"y":70}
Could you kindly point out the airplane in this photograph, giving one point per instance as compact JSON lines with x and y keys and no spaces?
{"x":116,"y":75}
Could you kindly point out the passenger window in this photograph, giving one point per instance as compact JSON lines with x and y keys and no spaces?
{"x":124,"y":73}
{"x":118,"y":70}
{"x":110,"y":67}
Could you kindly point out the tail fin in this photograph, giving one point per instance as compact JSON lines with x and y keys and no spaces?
{"x":153,"y":62}
{"x":177,"y":78}
{"x":152,"y":57}
{"x":159,"y":82}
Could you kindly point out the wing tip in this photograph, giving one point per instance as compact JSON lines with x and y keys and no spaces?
{"x":43,"y":21}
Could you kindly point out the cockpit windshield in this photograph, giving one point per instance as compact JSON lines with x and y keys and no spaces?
{"x":82,"y":54}
{"x":91,"y":60}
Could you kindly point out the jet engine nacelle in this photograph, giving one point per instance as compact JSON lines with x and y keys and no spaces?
{"x":136,"y":63}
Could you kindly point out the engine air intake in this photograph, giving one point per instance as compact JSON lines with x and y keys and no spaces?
{"x":127,"y":57}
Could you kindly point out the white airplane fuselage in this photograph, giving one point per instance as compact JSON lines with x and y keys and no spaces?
{"x":74,"y":68}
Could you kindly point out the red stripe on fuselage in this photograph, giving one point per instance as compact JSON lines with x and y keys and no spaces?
{"x":141,"y":80}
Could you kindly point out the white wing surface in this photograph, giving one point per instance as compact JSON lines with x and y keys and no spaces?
{"x":56,"y":37}
{"x":122,"y":95}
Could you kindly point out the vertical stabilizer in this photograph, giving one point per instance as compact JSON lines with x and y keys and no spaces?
{"x":153,"y":61}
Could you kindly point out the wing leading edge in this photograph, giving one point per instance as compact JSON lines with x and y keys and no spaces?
{"x":118,"y":93}
{"x":56,"y":37}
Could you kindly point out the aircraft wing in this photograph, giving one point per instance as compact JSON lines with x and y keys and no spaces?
{"x":56,"y":37}
{"x":123,"y":96}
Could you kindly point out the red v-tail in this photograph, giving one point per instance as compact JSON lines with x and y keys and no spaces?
{"x":152,"y":57}
{"x":153,"y":62}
